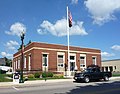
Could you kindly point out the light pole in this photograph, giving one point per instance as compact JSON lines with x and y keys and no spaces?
{"x":45,"y":68}
{"x":22,"y":57}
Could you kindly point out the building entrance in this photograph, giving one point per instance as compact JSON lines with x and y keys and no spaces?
{"x":72,"y":66}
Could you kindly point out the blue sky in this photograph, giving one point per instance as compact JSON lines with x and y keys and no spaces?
{"x":95,"y":24}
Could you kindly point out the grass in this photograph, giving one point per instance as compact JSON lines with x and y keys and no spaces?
{"x":116,"y":74}
{"x":4,"y":79}
{"x":51,"y":78}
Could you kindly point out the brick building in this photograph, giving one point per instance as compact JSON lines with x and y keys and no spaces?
{"x":37,"y":56}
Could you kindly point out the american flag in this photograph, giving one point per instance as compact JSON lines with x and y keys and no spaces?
{"x":70,"y":19}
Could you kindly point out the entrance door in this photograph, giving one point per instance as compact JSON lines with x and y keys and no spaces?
{"x":72,"y":66}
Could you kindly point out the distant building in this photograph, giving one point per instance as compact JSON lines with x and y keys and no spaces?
{"x":54,"y":57}
{"x":111,"y":65}
{"x":2,"y":62}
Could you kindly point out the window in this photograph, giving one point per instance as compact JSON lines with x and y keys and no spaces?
{"x":82,"y":61}
{"x":111,"y":68}
{"x":45,"y":60}
{"x":106,"y":68}
{"x":72,"y":57}
{"x":94,"y":60}
{"x":14,"y":65}
{"x":18,"y":63}
{"x":29,"y":62}
{"x":25,"y":62}
{"x":115,"y":67}
{"x":60,"y":61}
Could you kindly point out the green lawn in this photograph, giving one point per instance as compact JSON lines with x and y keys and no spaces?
{"x":4,"y":79}
{"x":116,"y":74}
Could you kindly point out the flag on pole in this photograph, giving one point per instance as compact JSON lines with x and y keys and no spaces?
{"x":70,"y":19}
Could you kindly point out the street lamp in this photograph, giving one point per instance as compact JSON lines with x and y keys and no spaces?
{"x":45,"y":68}
{"x":22,"y":57}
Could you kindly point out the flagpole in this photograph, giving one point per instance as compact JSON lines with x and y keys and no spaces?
{"x":68,"y":43}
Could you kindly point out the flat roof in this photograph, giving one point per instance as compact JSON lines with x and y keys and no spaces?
{"x":111,"y":60}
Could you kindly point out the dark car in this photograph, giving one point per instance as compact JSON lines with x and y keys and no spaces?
{"x":92,"y":74}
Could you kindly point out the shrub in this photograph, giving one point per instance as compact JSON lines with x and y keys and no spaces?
{"x":47,"y":74}
{"x":58,"y":76}
{"x":2,"y":71}
{"x":37,"y":75}
{"x":44,"y":74}
{"x":31,"y":76}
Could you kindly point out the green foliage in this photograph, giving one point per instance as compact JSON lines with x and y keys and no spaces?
{"x":37,"y":75}
{"x":8,"y":61}
{"x":47,"y":74}
{"x":58,"y":76}
{"x":115,"y":74}
{"x":44,"y":74}
{"x":2,"y":71}
{"x":31,"y":76}
{"x":4,"y":79}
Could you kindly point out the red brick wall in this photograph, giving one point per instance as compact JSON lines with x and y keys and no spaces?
{"x":52,"y":60}
{"x":89,"y":59}
{"x":78,"y":61}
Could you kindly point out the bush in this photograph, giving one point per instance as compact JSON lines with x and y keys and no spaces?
{"x":2,"y":71}
{"x":115,"y":74}
{"x":47,"y":74}
{"x":37,"y":75}
{"x":31,"y":76}
{"x":44,"y":74}
{"x":58,"y":76}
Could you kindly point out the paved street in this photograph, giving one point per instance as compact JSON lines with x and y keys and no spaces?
{"x":66,"y":87}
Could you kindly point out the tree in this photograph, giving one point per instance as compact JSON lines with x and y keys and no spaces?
{"x":8,"y":62}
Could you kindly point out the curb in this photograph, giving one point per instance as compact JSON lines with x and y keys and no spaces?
{"x":37,"y":82}
{"x":113,"y":78}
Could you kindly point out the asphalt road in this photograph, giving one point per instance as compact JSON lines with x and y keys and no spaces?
{"x":67,"y":87}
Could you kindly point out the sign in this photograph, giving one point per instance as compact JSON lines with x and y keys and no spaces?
{"x":16,"y":78}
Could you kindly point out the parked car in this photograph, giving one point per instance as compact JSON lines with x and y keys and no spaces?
{"x":92,"y":73}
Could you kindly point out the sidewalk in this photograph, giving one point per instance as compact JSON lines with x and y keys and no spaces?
{"x":27,"y":83}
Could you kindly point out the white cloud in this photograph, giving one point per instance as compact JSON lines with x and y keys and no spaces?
{"x":74,"y":1}
{"x":4,"y":54}
{"x":41,"y":32}
{"x":106,"y":54}
{"x":11,"y":45}
{"x":116,"y":47}
{"x":59,"y":28}
{"x":102,"y":11}
{"x":16,"y":29}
